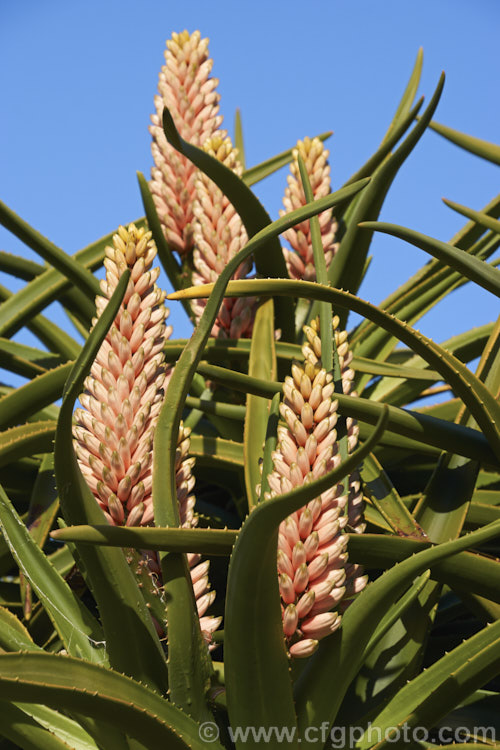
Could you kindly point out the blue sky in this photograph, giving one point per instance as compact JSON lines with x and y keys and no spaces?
{"x":78,"y":80}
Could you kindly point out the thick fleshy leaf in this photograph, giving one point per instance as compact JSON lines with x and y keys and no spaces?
{"x":474,"y":269}
{"x":441,"y":687}
{"x":466,"y":572}
{"x":261,"y":364}
{"x":77,"y":628}
{"x":30,"y":398}
{"x":476,"y":146}
{"x":238,"y":138}
{"x":16,"y":312}
{"x":73,"y":685}
{"x":269,"y":260}
{"x":386,"y":499}
{"x":65,"y":264}
{"x":131,"y":640}
{"x":203,"y":541}
{"x":346,"y":269}
{"x":408,"y":97}
{"x":26,"y":440}
{"x":20,"y":308}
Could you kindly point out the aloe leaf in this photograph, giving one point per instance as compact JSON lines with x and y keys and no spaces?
{"x":466,"y":572}
{"x":476,"y":146}
{"x":397,"y":611}
{"x":76,"y":627}
{"x":64,"y":263}
{"x":224,"y":451}
{"x":57,"y":726}
{"x":474,"y":269}
{"x":13,"y":634}
{"x":30,"y":398}
{"x":386,"y":499}
{"x":25,"y":732}
{"x":341,"y":654}
{"x":39,"y":359}
{"x":264,"y":169}
{"x":480,"y":217}
{"x":216,"y":408}
{"x":73,"y":685}
{"x":26,"y":440}
{"x":269,"y":259}
{"x":238,"y":138}
{"x":474,"y":394}
{"x":438,"y":689}
{"x":409,"y":94}
{"x":406,"y":301}
{"x":385,"y":147}
{"x":256,"y":668}
{"x":20,"y":267}
{"x":346,"y":268}
{"x":14,"y":315}
{"x":42,"y":510}
{"x":261,"y":364}
{"x":131,"y":640}
{"x":203,"y":541}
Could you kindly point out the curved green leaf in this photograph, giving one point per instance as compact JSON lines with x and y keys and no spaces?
{"x":386,"y":499}
{"x":474,"y":269}
{"x":203,"y":541}
{"x":69,"y":684}
{"x":26,"y":440}
{"x":24,"y":731}
{"x":441,"y":687}
{"x":30,"y":398}
{"x":261,"y":364}
{"x":62,"y":262}
{"x":466,"y":572}
{"x":346,"y":269}
{"x":476,"y":146}
{"x":78,"y":630}
{"x":13,"y":634}
{"x":20,"y":308}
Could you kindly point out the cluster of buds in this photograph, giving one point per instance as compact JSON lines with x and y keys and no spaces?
{"x":188,"y":90}
{"x":299,"y":260}
{"x":219,"y":235}
{"x":312,"y":556}
{"x":124,"y":391}
{"x":113,"y":432}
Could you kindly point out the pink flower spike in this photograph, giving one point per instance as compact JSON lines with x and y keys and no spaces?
{"x":188,"y":90}
{"x":311,"y":543}
{"x":300,"y":260}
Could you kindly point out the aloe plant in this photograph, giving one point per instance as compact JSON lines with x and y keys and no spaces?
{"x":347,"y":520}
